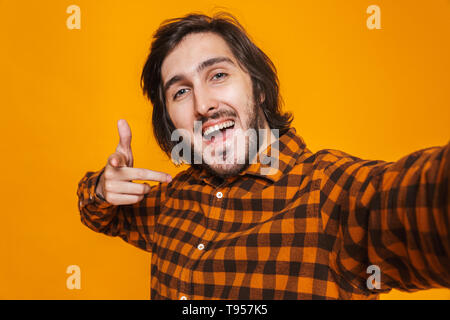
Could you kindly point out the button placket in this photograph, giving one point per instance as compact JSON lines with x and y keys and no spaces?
{"x":216,"y":206}
{"x":201,"y":246}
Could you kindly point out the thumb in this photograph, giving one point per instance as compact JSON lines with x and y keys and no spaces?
{"x":117,"y":160}
{"x":124,"y":146}
{"x":124,"y":134}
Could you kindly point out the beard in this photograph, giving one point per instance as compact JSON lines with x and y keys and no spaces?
{"x":222,"y":170}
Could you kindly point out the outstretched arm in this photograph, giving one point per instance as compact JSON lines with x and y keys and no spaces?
{"x":391,"y":215}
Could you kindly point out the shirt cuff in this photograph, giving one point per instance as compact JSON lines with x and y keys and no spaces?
{"x":90,"y":196}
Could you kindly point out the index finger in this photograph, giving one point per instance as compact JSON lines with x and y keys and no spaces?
{"x":127,"y":173}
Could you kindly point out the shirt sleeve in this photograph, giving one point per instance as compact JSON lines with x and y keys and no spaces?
{"x":388,"y":216}
{"x":133,"y":223}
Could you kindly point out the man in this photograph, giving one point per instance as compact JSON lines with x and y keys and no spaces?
{"x":323,"y":225}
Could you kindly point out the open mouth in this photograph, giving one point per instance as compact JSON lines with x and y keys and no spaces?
{"x":210,"y":133}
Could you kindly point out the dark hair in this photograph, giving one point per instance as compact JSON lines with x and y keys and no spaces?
{"x":252,"y":60}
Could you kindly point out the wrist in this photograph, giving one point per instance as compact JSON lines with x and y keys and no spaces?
{"x":99,"y":188}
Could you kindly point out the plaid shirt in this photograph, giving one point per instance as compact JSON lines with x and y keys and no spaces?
{"x":309,"y":231}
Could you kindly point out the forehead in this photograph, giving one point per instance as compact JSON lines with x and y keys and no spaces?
{"x":192,"y":50}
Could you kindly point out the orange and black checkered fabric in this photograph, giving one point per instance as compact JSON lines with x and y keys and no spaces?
{"x":309,"y":231}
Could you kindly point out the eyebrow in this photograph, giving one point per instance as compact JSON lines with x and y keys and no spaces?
{"x":205,"y":64}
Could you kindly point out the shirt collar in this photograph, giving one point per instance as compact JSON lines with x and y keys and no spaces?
{"x":290,"y":147}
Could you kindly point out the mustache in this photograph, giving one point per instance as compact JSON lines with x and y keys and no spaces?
{"x":217,"y":115}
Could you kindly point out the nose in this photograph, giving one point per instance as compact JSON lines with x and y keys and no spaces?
{"x":204,"y":102}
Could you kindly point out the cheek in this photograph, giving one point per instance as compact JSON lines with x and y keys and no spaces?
{"x":175,"y":120}
{"x":181,"y":120}
{"x":238,"y":96}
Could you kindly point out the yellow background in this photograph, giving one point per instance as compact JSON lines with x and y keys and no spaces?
{"x":376,"y":94}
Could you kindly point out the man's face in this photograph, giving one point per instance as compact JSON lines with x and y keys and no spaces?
{"x":203,"y":82}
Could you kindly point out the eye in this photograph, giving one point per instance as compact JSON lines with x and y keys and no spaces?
{"x":179,"y":93}
{"x":220,"y":75}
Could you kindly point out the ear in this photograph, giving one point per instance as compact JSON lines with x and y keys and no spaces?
{"x":262,"y":97}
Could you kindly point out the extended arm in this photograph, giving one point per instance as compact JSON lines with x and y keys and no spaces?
{"x":391,"y":215}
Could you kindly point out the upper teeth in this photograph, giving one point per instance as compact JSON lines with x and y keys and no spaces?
{"x":219,"y":126}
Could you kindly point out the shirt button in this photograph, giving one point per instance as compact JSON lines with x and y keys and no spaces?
{"x":201,"y":246}
{"x":219,"y":194}
{"x":183,"y":298}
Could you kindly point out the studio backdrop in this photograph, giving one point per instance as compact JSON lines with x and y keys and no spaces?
{"x":370,"y":78}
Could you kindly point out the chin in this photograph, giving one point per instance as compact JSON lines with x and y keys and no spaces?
{"x":226,"y":170}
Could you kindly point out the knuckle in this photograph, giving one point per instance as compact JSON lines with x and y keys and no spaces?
{"x":108,"y":185}
{"x":111,"y":158}
{"x":109,"y":198}
{"x":109,"y":174}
